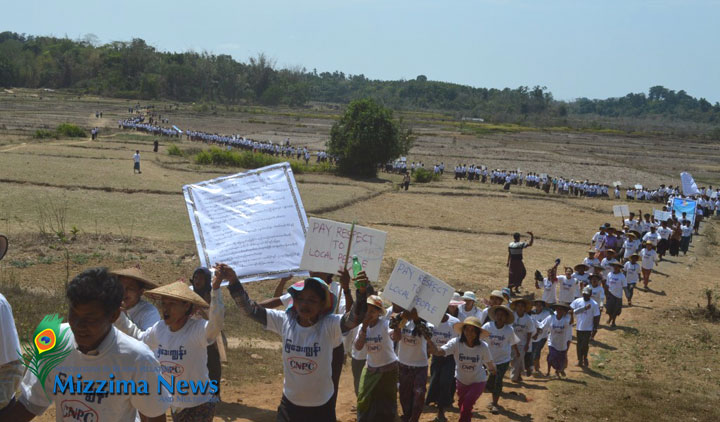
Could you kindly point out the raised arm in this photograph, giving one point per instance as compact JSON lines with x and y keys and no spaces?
{"x":216,"y":317}
{"x":356,"y":313}
{"x":532,"y":239}
{"x":240,"y":296}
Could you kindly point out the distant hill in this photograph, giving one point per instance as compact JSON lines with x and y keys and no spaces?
{"x":138,"y":71}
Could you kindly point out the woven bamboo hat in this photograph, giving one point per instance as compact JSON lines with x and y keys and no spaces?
{"x":178,"y":291}
{"x":475,"y":322}
{"x":494,"y":309}
{"x":137,"y":275}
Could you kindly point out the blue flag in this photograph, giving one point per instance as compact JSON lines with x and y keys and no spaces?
{"x":681,"y":205}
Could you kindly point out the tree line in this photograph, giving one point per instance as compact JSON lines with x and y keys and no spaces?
{"x":135,"y":70}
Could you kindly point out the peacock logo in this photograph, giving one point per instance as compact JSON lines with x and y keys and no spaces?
{"x":48,"y":350}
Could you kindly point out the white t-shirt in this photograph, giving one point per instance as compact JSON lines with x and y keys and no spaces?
{"x":615,"y":283}
{"x":648,"y":258}
{"x":591,"y":262}
{"x":559,"y":331}
{"x":632,"y":272}
{"x":523,"y":326}
{"x":537,"y":319}
{"x":549,"y":292}
{"x":686,"y":231}
{"x":584,"y":317}
{"x":500,"y":342}
{"x":136,"y":158}
{"x":444,"y":332}
{"x":664,"y":232}
{"x":631,"y":246}
{"x":379,"y":344}
{"x":469,"y":361}
{"x":598,"y":295}
{"x":9,"y":343}
{"x":350,"y":346}
{"x":567,"y":289}
{"x":599,"y":240}
{"x":412,"y":350}
{"x":632,"y":224}
{"x":128,"y":359}
{"x":307,"y":356}
{"x":462,"y":313}
{"x":143,"y":314}
{"x":651,"y":237}
{"x":580,"y":278}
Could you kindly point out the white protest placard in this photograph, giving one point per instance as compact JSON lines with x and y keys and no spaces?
{"x":621,"y":210}
{"x":410,"y":287}
{"x":327,"y":244}
{"x":254,"y":221}
{"x":661,"y":215}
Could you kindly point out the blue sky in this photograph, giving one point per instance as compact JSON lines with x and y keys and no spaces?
{"x":578,"y":48}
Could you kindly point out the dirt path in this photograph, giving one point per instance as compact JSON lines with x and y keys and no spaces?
{"x":536,"y":399}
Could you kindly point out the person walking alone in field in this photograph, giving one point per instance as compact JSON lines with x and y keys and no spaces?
{"x":406,"y":181}
{"x":516,"y":268}
{"x":136,"y":160}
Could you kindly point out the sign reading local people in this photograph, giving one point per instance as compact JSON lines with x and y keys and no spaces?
{"x":410,"y":287}
{"x":254,"y":221}
{"x":327,"y":242}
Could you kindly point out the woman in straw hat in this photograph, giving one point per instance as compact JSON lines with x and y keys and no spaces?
{"x":474,"y":361}
{"x":615,"y":284}
{"x":180,"y":343}
{"x":441,"y":389}
{"x":496,"y":298}
{"x":141,"y":313}
{"x":502,"y":342}
{"x":647,"y":255}
{"x":524,"y":328}
{"x":311,"y":334}
{"x":591,"y":261}
{"x":377,"y":392}
{"x":559,"y":331}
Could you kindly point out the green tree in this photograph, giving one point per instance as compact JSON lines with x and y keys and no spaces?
{"x":365,"y":136}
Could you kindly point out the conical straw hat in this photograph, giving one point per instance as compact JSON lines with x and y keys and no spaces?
{"x":179,"y":291}
{"x":135,"y":274}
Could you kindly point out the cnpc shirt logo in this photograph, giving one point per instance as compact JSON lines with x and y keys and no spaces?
{"x":75,"y":410}
{"x":171,"y":368}
{"x":302,"y":366}
{"x":50,"y":346}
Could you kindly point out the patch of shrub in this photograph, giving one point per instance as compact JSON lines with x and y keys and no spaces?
{"x":175,"y":151}
{"x":70,"y":131}
{"x":43,"y":134}
{"x":422,"y":175}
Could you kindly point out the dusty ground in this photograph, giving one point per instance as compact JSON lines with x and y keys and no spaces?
{"x":661,"y":362}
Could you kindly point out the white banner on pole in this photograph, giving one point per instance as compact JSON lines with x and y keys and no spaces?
{"x":661,"y":215}
{"x":327,"y":242}
{"x":410,"y":287}
{"x":253,"y":221}
{"x":621,"y":210}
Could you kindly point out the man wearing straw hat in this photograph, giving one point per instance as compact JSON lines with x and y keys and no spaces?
{"x":11,"y":369}
{"x":474,"y":362}
{"x":141,"y":313}
{"x":180,"y":342}
{"x":585,"y":310}
{"x":95,"y":350}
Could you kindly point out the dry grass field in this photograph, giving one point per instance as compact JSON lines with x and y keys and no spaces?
{"x":660,"y":363}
